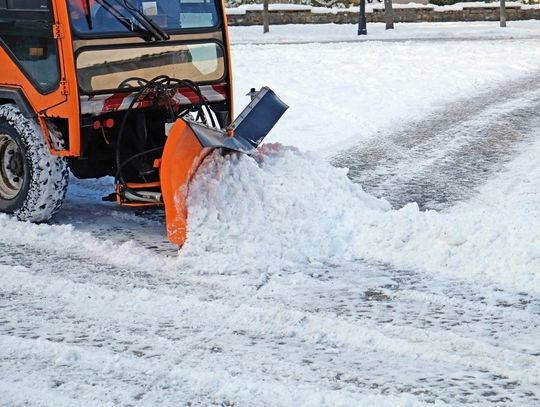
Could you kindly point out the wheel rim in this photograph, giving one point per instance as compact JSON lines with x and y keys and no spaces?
{"x":11,"y":167}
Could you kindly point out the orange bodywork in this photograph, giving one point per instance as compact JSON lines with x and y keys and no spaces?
{"x":182,"y":152}
{"x":64,"y":102}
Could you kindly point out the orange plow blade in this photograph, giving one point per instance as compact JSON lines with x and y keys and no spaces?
{"x":189,"y":142}
{"x":182,"y":155}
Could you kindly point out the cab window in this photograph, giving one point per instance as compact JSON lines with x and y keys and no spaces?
{"x":89,"y":17}
{"x":26,"y":30}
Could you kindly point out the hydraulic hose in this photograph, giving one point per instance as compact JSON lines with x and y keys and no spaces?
{"x":164,"y":87}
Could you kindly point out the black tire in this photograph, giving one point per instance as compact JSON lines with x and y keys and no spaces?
{"x":33,"y":182}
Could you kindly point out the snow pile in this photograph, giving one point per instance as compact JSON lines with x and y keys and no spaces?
{"x":283,"y":207}
{"x":280,"y":205}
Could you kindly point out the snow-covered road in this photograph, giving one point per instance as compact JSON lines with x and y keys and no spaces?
{"x":307,"y":291}
{"x":444,"y":158}
{"x":328,"y":335}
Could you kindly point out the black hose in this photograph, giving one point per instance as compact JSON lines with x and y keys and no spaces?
{"x":165,"y":87}
{"x":133,"y":157}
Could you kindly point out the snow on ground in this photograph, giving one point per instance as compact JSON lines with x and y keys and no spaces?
{"x":344,"y":93}
{"x":242,"y":9}
{"x":296,"y":286}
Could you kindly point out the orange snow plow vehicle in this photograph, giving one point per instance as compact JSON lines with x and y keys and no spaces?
{"x":134,"y":89}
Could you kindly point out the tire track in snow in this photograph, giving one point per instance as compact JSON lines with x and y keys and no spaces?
{"x":106,"y":220}
{"x":443,"y":159}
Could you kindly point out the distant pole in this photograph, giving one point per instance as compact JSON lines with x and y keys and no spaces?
{"x":362,"y":27}
{"x":388,"y":14}
{"x":266,"y":22}
{"x":503,"y":13}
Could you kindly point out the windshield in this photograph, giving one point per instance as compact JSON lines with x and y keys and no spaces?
{"x":114,"y":16}
{"x":101,"y":70}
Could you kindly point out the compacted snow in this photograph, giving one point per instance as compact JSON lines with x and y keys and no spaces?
{"x":298,"y":286}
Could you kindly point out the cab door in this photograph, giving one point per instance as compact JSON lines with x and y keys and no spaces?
{"x":35,"y":55}
{"x":26,"y":36}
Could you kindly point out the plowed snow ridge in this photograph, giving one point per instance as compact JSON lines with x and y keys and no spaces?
{"x":289,"y":207}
